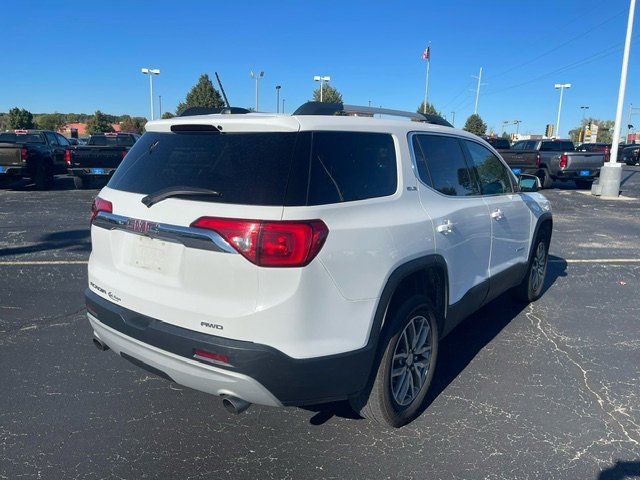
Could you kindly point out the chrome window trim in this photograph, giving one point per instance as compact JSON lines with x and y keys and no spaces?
{"x":191,"y":237}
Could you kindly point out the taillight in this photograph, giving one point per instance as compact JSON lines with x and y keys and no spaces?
{"x":67,"y":156}
{"x":538,"y":159}
{"x":607,"y":154}
{"x":563,"y":161}
{"x":100,"y":205}
{"x":24,"y":155}
{"x":270,"y":244}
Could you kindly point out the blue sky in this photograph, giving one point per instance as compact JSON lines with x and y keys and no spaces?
{"x":83,"y":56}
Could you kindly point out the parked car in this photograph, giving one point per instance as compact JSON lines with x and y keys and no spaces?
{"x":595,"y":147}
{"x":76,"y":141}
{"x":520,"y":161}
{"x":296,"y":260}
{"x":630,"y":155}
{"x":558,"y":160}
{"x":34,"y":154}
{"x":100,"y":156}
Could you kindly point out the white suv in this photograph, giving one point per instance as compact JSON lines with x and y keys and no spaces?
{"x":295,"y":260}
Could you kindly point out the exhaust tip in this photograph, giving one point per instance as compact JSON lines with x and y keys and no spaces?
{"x":234,"y":405}
{"x":103,"y":347}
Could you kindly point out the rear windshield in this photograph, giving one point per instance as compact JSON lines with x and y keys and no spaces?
{"x":120,"y":140}
{"x":556,"y":146}
{"x":11,"y":137}
{"x":266,"y":168}
{"x":499,"y":143}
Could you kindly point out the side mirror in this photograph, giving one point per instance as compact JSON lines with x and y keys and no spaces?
{"x":529,"y":183}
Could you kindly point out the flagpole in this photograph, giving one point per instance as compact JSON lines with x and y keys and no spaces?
{"x":426,"y":88}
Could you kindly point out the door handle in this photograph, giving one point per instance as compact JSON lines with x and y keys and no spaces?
{"x":445,"y":227}
{"x":497,"y":214}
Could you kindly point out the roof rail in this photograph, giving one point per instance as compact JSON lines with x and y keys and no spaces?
{"x":189,"y":112}
{"x":326,"y":108}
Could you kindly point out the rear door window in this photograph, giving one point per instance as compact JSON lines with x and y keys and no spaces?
{"x":349,"y":166}
{"x":445,"y":166}
{"x":51,"y":137}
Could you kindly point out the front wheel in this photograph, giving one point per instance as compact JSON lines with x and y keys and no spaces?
{"x":406,"y":368}
{"x":530,"y":289}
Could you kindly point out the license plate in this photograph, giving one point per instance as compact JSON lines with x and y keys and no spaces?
{"x":585,"y":173}
{"x":516,"y":171}
{"x":150,"y":254}
{"x":98,"y":171}
{"x":1,"y":169}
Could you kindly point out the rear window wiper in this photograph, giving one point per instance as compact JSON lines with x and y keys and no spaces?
{"x":169,"y":192}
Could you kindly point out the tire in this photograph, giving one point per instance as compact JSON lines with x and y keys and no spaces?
{"x":545,"y":179}
{"x":531,"y":287}
{"x":79,"y":183}
{"x":386,"y":403}
{"x":583,"y":184}
{"x":43,"y":177}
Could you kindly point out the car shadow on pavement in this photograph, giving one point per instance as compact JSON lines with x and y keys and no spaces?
{"x":77,"y":239}
{"x":460,"y":347}
{"x":620,"y":471}
{"x":59,"y":183}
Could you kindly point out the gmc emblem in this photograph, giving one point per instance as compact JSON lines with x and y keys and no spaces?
{"x":141,"y":226}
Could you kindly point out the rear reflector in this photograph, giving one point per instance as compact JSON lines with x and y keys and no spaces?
{"x":270,"y":244}
{"x":100,"y":205}
{"x":213,"y":357}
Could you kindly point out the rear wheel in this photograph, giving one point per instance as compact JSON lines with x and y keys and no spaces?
{"x":545,"y":178}
{"x":43,"y":177}
{"x":406,"y":368}
{"x":530,"y":289}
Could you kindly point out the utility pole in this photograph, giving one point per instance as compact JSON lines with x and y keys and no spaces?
{"x":611,"y":172}
{"x":479,"y":78}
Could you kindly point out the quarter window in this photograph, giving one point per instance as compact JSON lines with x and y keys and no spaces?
{"x":51,"y":137}
{"x":492,"y":174}
{"x":445,"y":168}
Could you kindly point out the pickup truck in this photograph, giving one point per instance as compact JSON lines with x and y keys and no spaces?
{"x":34,"y":154}
{"x":558,"y":160}
{"x":520,"y":161}
{"x":100,"y":157}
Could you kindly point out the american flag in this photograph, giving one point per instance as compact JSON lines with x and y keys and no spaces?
{"x":426,"y":55}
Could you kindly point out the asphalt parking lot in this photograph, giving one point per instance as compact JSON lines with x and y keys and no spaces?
{"x":546,"y":391}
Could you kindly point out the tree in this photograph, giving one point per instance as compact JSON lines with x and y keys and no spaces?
{"x":168,"y":115}
{"x":51,"y":121}
{"x":505,"y":135}
{"x":99,"y":123}
{"x":431,"y":110}
{"x":132,"y":124}
{"x":203,"y":94}
{"x":20,"y":118}
{"x":605,"y":130}
{"x":475,"y":125}
{"x":329,"y":94}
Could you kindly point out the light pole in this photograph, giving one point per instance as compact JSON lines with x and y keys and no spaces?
{"x":278,"y":87}
{"x":611,"y":172}
{"x":257,"y":77}
{"x":283,"y":105}
{"x":160,"y":106}
{"x":560,"y":86}
{"x":453,"y":118}
{"x":321,"y":79}
{"x":584,"y":108}
{"x":517,"y":124}
{"x":151,"y":72}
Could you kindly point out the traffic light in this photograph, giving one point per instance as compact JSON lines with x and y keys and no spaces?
{"x":549,"y":131}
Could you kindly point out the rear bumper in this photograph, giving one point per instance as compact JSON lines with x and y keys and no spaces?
{"x":256,"y":373}
{"x":575,"y":174}
{"x":88,"y":172}
{"x":13,"y":171}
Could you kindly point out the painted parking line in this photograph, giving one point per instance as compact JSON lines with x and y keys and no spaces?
{"x":595,"y":260}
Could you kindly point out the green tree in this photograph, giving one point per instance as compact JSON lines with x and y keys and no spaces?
{"x":431,"y":110}
{"x":329,"y":94}
{"x":168,"y":115}
{"x":20,"y":118}
{"x":51,"y":121}
{"x":605,"y":130}
{"x":505,"y":135}
{"x":203,"y":94}
{"x":99,"y":123}
{"x":132,"y":124}
{"x":475,"y":125}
